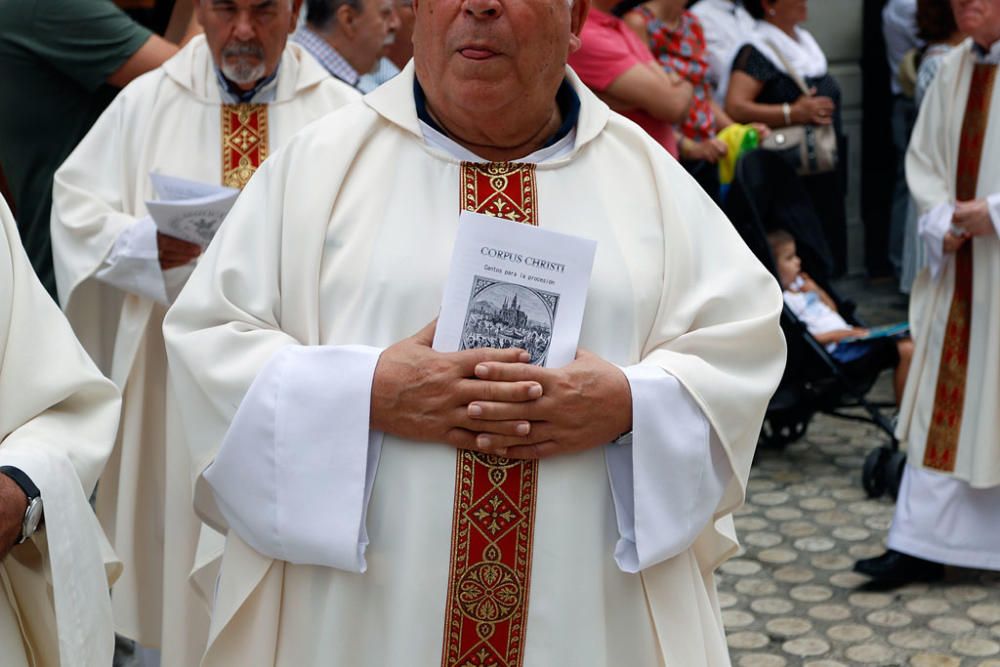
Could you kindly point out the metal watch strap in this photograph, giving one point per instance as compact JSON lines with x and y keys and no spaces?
{"x":22,"y":480}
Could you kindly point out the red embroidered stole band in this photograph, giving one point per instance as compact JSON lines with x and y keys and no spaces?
{"x":949,"y":396}
{"x":494,"y":515}
{"x":244,"y":142}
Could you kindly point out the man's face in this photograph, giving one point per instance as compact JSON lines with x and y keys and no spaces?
{"x":247,"y":37}
{"x":479,"y":55}
{"x":376,"y":28}
{"x":979,"y":19}
{"x":401,"y":49}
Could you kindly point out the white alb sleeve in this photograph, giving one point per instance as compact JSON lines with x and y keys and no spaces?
{"x":667,"y":482}
{"x":932,"y":227}
{"x":133,"y":265}
{"x":295,"y":471}
{"x":993,"y":205}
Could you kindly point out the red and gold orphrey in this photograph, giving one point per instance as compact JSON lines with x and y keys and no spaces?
{"x":941,"y":451}
{"x":494,"y":516}
{"x":244,"y":142}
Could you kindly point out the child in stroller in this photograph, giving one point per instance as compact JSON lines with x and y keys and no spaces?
{"x":847,"y":344}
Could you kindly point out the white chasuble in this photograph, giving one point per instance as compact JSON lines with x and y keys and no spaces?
{"x":960,"y":435}
{"x":355,"y":259}
{"x":57,"y":424}
{"x":170,"y":121}
{"x":948,"y":417}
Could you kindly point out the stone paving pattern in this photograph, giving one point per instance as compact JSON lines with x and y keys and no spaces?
{"x":791,"y":598}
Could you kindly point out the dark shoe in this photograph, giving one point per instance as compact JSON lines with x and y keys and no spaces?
{"x":899,"y":568}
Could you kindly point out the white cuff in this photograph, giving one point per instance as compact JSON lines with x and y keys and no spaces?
{"x":295,"y":471}
{"x":932,"y":228}
{"x":666,"y":483}
{"x":133,"y":265}
{"x":72,"y":541}
{"x":174,"y":280}
{"x":993,"y":205}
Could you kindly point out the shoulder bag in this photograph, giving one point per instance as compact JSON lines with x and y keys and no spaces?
{"x":810,"y":149}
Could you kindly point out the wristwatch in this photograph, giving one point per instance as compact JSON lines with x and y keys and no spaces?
{"x":32,"y":515}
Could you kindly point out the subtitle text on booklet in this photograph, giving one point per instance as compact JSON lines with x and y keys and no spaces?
{"x":189,"y":210}
{"x":513,"y":285}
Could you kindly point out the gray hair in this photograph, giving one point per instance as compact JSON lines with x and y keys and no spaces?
{"x":320,"y":13}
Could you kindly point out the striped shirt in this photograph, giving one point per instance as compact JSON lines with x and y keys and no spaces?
{"x":384,"y":70}
{"x":327,"y":56}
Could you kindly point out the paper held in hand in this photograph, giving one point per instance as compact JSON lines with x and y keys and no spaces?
{"x":898,"y":330}
{"x":514,"y":285}
{"x":189,"y":210}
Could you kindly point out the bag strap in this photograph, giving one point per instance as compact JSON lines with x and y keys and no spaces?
{"x":791,"y":70}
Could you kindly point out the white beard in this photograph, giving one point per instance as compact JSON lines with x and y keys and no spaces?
{"x":242,"y":71}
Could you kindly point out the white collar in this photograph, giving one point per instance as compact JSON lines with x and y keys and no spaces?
{"x":263,"y":95}
{"x":802,"y":53}
{"x":435,"y":139}
{"x":990,"y":56}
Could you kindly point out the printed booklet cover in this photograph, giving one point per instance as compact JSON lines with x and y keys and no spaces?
{"x":514,"y":285}
{"x":189,"y":210}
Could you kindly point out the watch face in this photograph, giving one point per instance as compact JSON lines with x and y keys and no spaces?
{"x":32,"y":517}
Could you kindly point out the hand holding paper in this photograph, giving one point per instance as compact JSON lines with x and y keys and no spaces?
{"x":563,"y":418}
{"x":517,"y":286}
{"x":174,"y":252}
{"x":189,"y":210}
{"x":421,"y":394}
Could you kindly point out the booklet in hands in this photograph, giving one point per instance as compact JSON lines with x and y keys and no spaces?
{"x":515,"y":286}
{"x":189,"y":210}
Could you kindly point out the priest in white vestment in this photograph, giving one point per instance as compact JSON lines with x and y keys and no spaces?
{"x":946,"y":512}
{"x":213,"y":113}
{"x":58,"y":416}
{"x":387,"y":504}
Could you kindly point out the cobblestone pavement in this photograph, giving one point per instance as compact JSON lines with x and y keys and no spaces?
{"x":791,"y":598}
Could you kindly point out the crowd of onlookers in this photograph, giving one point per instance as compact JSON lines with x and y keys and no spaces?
{"x":695,"y":74}
{"x":686,"y":71}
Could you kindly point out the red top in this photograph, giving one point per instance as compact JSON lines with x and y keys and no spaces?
{"x":609,"y":50}
{"x":682,"y":50}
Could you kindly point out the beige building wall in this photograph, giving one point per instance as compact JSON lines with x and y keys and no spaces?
{"x":837,"y":26}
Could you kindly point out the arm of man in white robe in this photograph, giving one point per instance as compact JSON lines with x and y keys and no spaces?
{"x":295,"y":471}
{"x":133,"y":264}
{"x":932,"y":227}
{"x":92,"y":235}
{"x":928,"y":169}
{"x":57,"y":424}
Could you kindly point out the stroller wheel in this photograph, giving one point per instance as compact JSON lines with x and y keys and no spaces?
{"x":872,"y":476}
{"x":893,"y":472}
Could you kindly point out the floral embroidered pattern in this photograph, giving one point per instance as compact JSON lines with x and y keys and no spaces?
{"x":244,"y":142}
{"x":494,"y":515}
{"x":941,"y":451}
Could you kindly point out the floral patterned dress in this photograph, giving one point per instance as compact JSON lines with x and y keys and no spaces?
{"x":682,"y":50}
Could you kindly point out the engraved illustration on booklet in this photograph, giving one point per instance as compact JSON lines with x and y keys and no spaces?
{"x":513,"y":285}
{"x":503,"y":315}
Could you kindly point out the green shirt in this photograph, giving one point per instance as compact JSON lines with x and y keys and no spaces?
{"x":55,"y":56}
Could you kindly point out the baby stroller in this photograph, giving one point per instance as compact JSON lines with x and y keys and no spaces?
{"x":766,"y":195}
